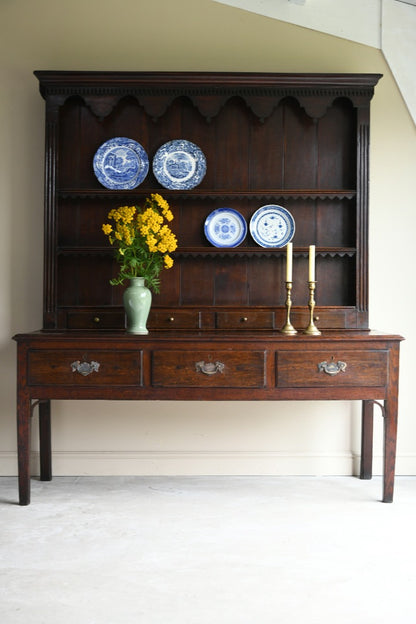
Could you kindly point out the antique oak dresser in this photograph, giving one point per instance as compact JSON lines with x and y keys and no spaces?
{"x":300,"y":141}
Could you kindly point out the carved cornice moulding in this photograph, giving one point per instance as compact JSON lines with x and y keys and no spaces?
{"x":208,"y":92}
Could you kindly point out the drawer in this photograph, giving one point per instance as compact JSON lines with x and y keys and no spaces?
{"x":95,"y":320}
{"x":245,"y":319}
{"x":324,"y":318}
{"x":328,"y":368}
{"x":231,"y":369}
{"x":179,"y":319}
{"x":92,"y":368}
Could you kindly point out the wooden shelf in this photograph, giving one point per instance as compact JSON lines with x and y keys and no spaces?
{"x":210,"y":194}
{"x":217,"y":251}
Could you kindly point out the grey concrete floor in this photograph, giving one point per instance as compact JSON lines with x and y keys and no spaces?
{"x":208,"y":550}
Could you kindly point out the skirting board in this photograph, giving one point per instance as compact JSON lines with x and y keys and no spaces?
{"x":149,"y":463}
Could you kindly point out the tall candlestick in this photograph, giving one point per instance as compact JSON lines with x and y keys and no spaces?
{"x":289,"y":262}
{"x":312,"y":330}
{"x":311,"y":263}
{"x":288,"y":327}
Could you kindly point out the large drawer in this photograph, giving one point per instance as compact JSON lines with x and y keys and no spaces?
{"x":94,"y":368}
{"x":328,"y":368}
{"x":231,"y":369}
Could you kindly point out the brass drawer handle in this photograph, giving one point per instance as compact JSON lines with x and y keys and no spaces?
{"x":332,"y":367}
{"x":209,"y":368}
{"x":85,"y":368}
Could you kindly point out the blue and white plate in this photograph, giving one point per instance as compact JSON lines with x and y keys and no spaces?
{"x":120,"y":164}
{"x":179,"y":164}
{"x":272,"y":226}
{"x":225,"y":227}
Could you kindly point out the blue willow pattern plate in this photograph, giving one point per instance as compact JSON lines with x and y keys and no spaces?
{"x":272,"y":226}
{"x":225,"y":227}
{"x":179,"y":164}
{"x":121,"y":164}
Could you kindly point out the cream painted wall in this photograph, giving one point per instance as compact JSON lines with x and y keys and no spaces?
{"x":177,"y":437}
{"x":389,"y":25}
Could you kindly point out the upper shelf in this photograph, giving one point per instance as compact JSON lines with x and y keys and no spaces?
{"x":210,"y":194}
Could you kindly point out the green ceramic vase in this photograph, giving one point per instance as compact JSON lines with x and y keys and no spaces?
{"x":137,"y":300}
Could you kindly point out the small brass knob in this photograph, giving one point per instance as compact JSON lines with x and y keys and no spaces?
{"x":316,"y":318}
{"x":171,"y":319}
{"x":244,"y":319}
{"x":96,"y":319}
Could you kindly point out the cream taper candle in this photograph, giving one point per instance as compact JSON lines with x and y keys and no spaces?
{"x":311,"y":263}
{"x":289,"y":262}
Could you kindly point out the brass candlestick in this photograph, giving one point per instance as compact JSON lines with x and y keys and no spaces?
{"x":288,"y":327}
{"x":312,"y":330}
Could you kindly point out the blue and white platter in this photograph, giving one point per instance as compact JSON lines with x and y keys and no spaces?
{"x":121,"y":164}
{"x":272,"y":226}
{"x":225,"y":227}
{"x":179,"y":165}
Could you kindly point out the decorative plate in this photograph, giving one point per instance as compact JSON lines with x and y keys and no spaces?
{"x":272,"y":226}
{"x":179,"y":164}
{"x":121,"y":163}
{"x":225,"y":227}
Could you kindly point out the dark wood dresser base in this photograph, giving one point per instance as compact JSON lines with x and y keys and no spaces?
{"x":253,"y":366}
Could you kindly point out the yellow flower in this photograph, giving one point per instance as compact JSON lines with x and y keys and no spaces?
{"x":127,"y":213}
{"x":160,"y":200}
{"x":125,"y":233}
{"x":107,"y":228}
{"x":151,"y":243}
{"x":168,"y":261}
{"x":163,"y":204}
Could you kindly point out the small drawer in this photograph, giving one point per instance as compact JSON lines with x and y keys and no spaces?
{"x":245,"y":319}
{"x":93,"y":368}
{"x":326,"y":368}
{"x":232,"y":369}
{"x":179,"y":319}
{"x":95,"y":320}
{"x":324,"y":318}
